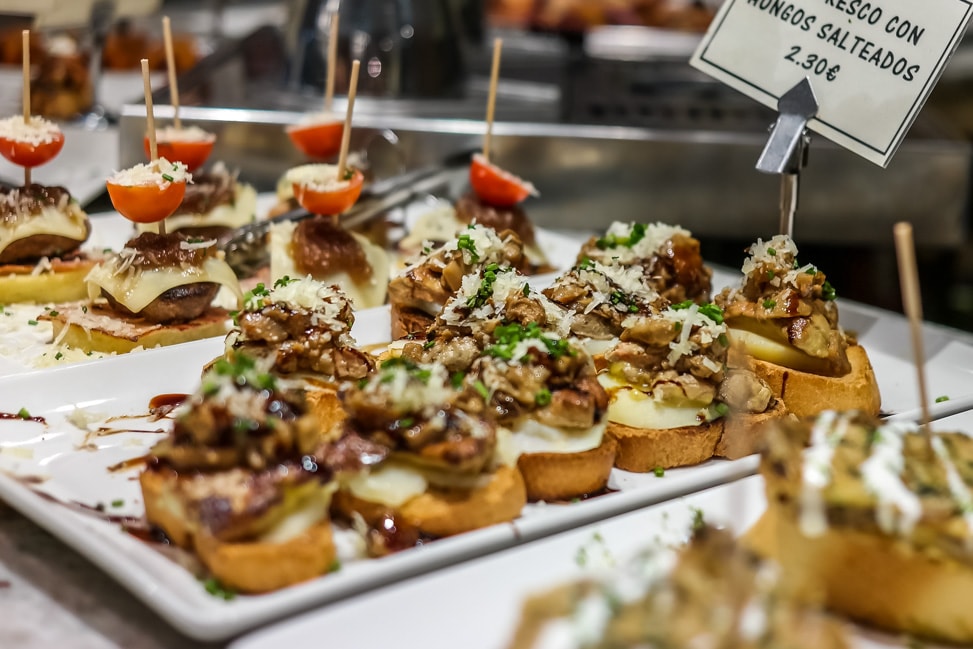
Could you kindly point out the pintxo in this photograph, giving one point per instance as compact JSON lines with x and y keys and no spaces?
{"x":871,"y":65}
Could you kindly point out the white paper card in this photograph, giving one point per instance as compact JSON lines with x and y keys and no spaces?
{"x":871,"y":63}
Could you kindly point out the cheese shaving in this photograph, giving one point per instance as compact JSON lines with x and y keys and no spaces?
{"x":36,"y":131}
{"x":160,"y":173}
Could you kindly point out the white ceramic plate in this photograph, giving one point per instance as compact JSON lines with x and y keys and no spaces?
{"x":477,"y":605}
{"x":57,"y":474}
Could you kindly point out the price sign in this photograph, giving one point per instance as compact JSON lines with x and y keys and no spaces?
{"x":871,"y":63}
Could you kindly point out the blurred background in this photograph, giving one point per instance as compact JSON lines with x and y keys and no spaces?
{"x":596,"y":105}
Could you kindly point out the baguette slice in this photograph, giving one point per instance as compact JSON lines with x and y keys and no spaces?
{"x":644,"y":449}
{"x":806,"y":394}
{"x":163,"y":507}
{"x":65,"y":282}
{"x":563,"y":476}
{"x":98,"y":329}
{"x":444,"y":512}
{"x":876,"y":579}
{"x":260,"y":567}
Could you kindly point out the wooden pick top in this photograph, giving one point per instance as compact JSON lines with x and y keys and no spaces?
{"x":912,"y":303}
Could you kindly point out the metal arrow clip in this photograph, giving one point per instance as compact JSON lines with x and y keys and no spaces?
{"x":786,"y":150}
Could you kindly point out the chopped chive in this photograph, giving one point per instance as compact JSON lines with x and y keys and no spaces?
{"x":167,"y":178}
{"x":117,"y":503}
{"x":23,"y":413}
{"x":32,"y":323}
{"x":659,"y":471}
{"x":769,"y":304}
{"x":58,"y":356}
{"x":942,"y":399}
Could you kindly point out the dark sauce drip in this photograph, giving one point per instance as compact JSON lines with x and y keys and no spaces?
{"x":14,"y":415}
{"x":132,"y":463}
{"x":162,"y":404}
{"x":588,"y":496}
{"x":391,"y":534}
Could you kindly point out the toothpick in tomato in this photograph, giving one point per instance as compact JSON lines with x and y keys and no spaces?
{"x":29,"y":144}
{"x":190,"y":146}
{"x":497,"y":187}
{"x":318,"y":189}
{"x":320,"y":138}
{"x":147,"y":193}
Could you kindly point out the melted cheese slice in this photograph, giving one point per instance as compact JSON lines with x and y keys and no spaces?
{"x":772,"y":351}
{"x":390,"y":484}
{"x":137,"y":289}
{"x":632,"y":407}
{"x":311,"y":512}
{"x":531,"y":436}
{"x":240,"y":213}
{"x":71,"y":223}
{"x":438,"y":224}
{"x":595,"y":347}
{"x":363,"y":295}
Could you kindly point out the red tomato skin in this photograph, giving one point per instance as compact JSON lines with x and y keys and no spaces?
{"x":330,"y":203}
{"x":320,"y":141}
{"x":146,"y":203}
{"x":192,"y":153}
{"x":494,"y":189}
{"x":31,"y":155}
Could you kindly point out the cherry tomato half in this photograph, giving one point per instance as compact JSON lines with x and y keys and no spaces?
{"x":192,"y":153}
{"x":322,"y":140}
{"x":26,"y":154}
{"x":146,"y":203}
{"x":495,"y":186}
{"x":330,"y":202}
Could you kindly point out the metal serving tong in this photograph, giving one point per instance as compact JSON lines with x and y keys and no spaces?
{"x":246,"y":251}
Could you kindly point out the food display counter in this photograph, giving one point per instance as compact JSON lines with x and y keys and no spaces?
{"x":84,"y":563}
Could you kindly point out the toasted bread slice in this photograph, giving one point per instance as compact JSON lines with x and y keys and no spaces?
{"x":97,"y":329}
{"x":806,"y":394}
{"x":260,"y":566}
{"x":563,"y":476}
{"x":63,"y":283}
{"x":644,"y":449}
{"x":873,"y":578}
{"x":445,"y":512}
{"x":163,"y":508}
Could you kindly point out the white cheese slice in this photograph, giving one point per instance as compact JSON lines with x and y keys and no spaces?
{"x":766,"y":349}
{"x":632,"y":407}
{"x":438,"y":224}
{"x":230,"y":216}
{"x":137,"y":289}
{"x":310,"y":513}
{"x":69,"y":222}
{"x":531,"y":436}
{"x":363,"y":295}
{"x":391,"y":484}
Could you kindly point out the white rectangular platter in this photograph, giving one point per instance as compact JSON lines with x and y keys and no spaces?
{"x":57,"y":474}
{"x":477,"y":605}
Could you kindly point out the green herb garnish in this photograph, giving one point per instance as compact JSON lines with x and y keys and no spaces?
{"x":482,"y":389}
{"x":543,"y":397}
{"x":456,"y":379}
{"x":465,"y":242}
{"x":24,"y":413}
{"x":117,"y":503}
{"x":168,"y":178}
{"x":636,"y":234}
{"x":32,"y":323}
{"x":284,"y":281}
{"x":659,"y":471}
{"x":216,"y":589}
{"x":827,"y":292}
{"x":769,"y":304}
{"x":942,"y":399}
{"x":508,"y":336}
{"x":58,"y":356}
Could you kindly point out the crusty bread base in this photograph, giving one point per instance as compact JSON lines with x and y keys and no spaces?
{"x":445,"y":512}
{"x":407,"y":321}
{"x":563,"y":476}
{"x":743,"y":432}
{"x":160,"y":500}
{"x":102,"y":330}
{"x":874,"y":579}
{"x":806,"y":394}
{"x":258,"y":567}
{"x":64,"y":284}
{"x":644,"y":449}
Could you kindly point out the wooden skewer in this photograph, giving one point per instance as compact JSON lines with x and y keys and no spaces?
{"x":171,"y":67}
{"x":346,"y":133}
{"x":492,"y":97}
{"x":150,"y":126}
{"x":912,"y":302}
{"x":332,"y":62}
{"x":26,"y":57}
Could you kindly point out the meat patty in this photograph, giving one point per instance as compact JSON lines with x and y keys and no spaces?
{"x":178,"y":304}
{"x":35,"y":247}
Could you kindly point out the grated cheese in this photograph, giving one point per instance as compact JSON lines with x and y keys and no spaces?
{"x":779,"y":251}
{"x":184,"y":134}
{"x":151,"y":174}
{"x":487,"y":244}
{"x":656,"y":235}
{"x":317,"y":177}
{"x":36,"y":131}
{"x":689,"y":319}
